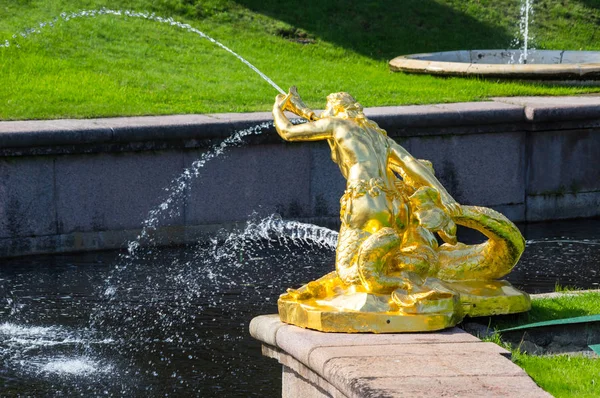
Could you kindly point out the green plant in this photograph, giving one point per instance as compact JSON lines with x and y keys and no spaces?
{"x":565,"y":289}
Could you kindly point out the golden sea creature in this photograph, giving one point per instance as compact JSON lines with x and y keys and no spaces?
{"x":391,"y":275}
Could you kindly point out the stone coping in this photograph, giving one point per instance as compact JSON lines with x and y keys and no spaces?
{"x":21,"y":135}
{"x":549,"y":65}
{"x":122,"y":129}
{"x":508,"y":56}
{"x":447,"y":363}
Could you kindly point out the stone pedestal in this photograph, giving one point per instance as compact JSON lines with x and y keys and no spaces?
{"x":447,"y":363}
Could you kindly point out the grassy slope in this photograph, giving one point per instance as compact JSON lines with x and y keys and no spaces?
{"x":111,"y":66}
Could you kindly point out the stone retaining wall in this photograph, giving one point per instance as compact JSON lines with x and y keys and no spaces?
{"x":449,"y":363}
{"x":69,"y":185}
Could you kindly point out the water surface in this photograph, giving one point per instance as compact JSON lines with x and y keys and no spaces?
{"x":174,"y":322}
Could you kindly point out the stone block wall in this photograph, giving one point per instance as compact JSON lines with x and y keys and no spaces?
{"x":72,"y":185}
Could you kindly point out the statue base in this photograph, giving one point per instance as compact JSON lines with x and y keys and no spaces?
{"x":330,"y":306}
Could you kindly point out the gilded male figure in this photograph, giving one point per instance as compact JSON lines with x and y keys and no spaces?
{"x":386,"y":241}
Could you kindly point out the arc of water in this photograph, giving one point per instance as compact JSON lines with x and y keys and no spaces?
{"x":179,"y":184}
{"x":143,"y":15}
{"x":274,"y":227}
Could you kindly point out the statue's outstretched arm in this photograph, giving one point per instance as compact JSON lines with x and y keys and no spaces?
{"x":311,"y":131}
{"x":400,"y":158}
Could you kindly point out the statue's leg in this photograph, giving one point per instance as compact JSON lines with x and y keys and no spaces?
{"x":385,"y":267}
{"x":416,"y":262}
{"x":349,"y":242}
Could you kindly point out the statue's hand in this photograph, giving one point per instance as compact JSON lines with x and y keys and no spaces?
{"x":451,"y":206}
{"x":280,"y":101}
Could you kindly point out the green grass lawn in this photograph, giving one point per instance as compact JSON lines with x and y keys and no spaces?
{"x":560,"y":375}
{"x":110,"y":66}
{"x":563,"y":375}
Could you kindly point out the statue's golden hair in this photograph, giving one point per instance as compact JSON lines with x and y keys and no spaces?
{"x":345,"y":103}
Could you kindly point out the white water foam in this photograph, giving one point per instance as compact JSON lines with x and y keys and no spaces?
{"x":13,"y":330}
{"x":78,"y":366}
{"x":23,"y":347}
{"x":32,"y":336}
{"x":524,"y":38}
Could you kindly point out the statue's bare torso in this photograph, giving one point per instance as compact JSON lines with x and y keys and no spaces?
{"x":367,"y":159}
{"x":370,"y":182}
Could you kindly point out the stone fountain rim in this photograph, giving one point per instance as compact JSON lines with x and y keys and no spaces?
{"x":413,"y":63}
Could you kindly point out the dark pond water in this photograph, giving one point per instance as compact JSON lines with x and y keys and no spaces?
{"x":174,"y":322}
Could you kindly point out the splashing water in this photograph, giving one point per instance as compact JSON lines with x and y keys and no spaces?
{"x":65,"y":17}
{"x":161,"y":300}
{"x":178,"y":186}
{"x":178,"y":323}
{"x":34,"y":349}
{"x":81,"y":366}
{"x":524,"y":37}
{"x":259,"y":235}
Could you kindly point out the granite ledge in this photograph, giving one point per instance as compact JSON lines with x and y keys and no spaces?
{"x":358,"y":365}
{"x":514,"y":111}
{"x":554,"y":109}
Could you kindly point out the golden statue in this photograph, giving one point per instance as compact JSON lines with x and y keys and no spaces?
{"x":391,"y":275}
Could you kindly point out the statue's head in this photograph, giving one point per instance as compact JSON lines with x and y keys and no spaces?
{"x":342,"y":103}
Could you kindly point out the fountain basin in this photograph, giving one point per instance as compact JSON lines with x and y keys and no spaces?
{"x":541,"y":64}
{"x":48,"y":344}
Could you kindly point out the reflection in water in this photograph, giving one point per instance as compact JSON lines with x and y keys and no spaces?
{"x":177,"y":320}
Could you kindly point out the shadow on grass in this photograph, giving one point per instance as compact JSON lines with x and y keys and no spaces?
{"x":591,"y":3}
{"x":384,"y":29}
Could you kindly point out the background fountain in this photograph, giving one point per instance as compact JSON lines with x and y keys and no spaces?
{"x":526,"y":13}
{"x":531,"y":64}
